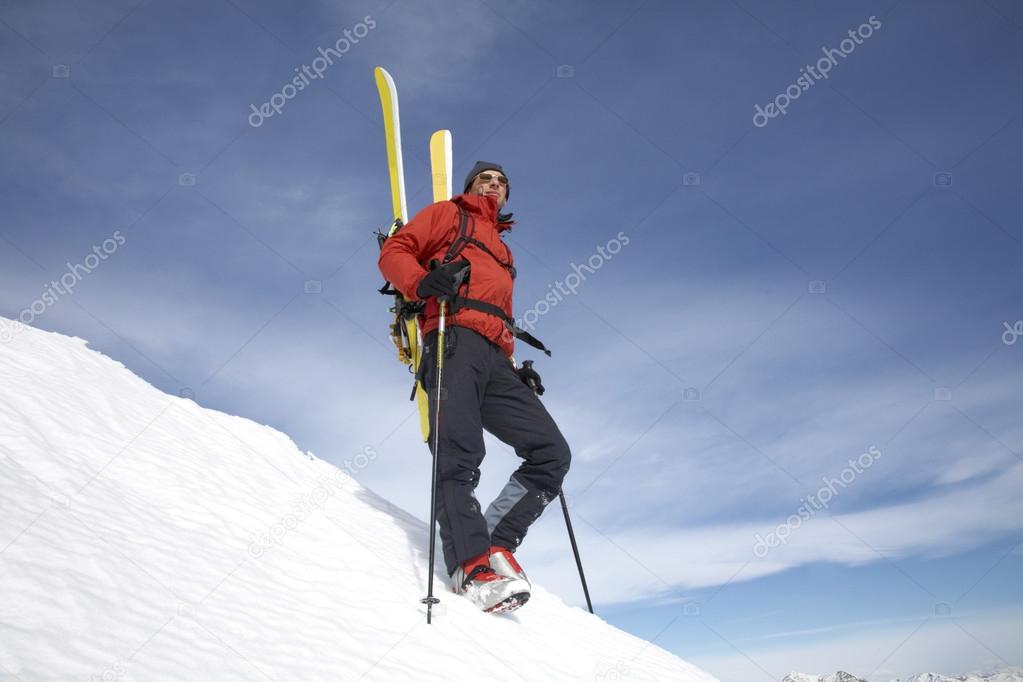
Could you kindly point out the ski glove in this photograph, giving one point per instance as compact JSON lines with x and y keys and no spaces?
{"x":530,"y":377}
{"x":443,"y":280}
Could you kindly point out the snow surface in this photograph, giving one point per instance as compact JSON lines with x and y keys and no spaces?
{"x":147,"y":538}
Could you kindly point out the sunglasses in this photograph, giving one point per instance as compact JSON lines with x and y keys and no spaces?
{"x":487,"y":177}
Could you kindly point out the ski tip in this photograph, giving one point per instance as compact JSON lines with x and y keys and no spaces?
{"x":382,"y":76}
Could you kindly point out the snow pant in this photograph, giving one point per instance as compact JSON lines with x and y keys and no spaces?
{"x":482,"y":391}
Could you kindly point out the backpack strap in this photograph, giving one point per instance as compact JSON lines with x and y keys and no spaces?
{"x":466,"y":230}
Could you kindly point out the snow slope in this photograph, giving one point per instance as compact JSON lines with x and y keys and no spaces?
{"x":146,"y":538}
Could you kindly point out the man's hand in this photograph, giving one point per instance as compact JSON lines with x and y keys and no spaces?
{"x":530,"y":377}
{"x":443,"y":281}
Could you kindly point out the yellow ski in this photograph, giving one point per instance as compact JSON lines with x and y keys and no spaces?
{"x":440,"y":164}
{"x":392,"y":134}
{"x":405,"y":330}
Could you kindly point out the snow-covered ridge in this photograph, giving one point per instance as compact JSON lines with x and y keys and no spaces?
{"x":840,"y":676}
{"x":1006,"y":675}
{"x":144,"y":537}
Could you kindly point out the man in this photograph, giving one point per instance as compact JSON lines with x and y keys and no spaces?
{"x":481,"y":387}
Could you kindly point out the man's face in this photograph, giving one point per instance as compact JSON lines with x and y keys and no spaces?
{"x":491,"y":183}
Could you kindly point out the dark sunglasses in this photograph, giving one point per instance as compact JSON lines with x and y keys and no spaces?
{"x":487,"y":177}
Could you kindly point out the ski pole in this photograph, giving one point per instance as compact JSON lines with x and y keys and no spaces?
{"x":568,"y":521}
{"x":429,"y":599}
{"x":575,"y":550}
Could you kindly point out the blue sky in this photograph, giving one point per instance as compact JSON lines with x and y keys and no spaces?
{"x":836,"y":280}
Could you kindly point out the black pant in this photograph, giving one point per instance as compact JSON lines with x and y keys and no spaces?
{"x":482,"y":391}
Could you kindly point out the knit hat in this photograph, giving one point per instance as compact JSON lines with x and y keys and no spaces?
{"x":485,"y":166}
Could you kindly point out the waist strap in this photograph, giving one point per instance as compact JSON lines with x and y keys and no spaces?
{"x":459,"y":302}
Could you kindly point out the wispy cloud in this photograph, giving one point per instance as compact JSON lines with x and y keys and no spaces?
{"x":634,"y":566}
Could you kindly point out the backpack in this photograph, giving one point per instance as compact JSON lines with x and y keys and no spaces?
{"x":405,"y":331}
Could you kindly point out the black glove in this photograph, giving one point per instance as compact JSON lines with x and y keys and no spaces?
{"x":530,"y":377}
{"x":443,"y":280}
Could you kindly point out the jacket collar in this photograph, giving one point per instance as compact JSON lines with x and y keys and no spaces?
{"x":486,"y":208}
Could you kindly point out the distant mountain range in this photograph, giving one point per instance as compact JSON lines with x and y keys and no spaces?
{"x":1004,"y":675}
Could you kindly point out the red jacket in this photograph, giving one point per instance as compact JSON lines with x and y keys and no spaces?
{"x":406,"y":255}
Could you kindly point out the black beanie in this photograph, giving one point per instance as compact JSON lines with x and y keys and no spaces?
{"x":485,"y":166}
